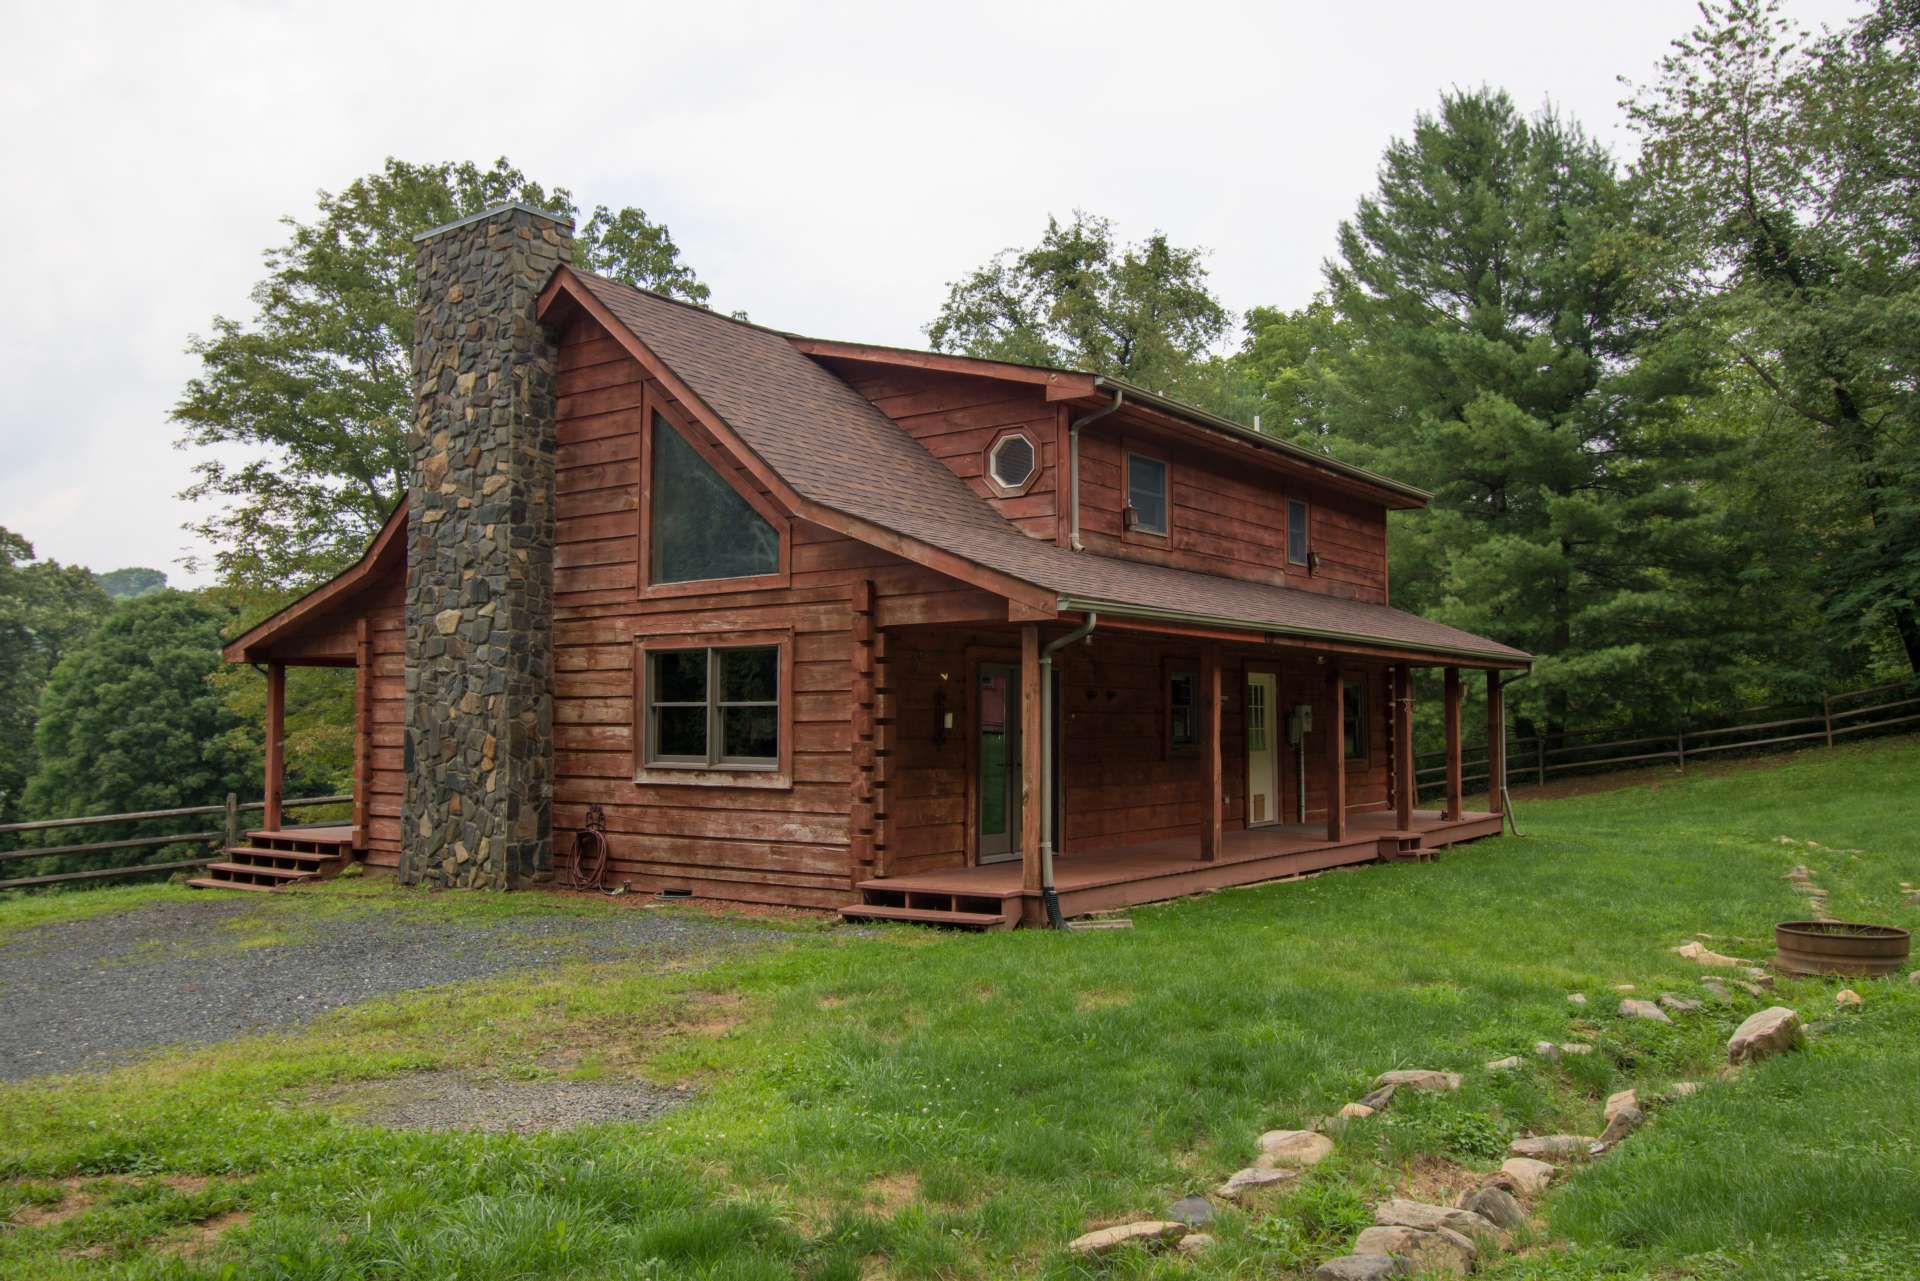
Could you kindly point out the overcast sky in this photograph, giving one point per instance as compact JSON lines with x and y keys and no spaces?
{"x":826,"y":167}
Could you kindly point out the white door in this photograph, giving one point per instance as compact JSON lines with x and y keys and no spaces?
{"x":1263,"y":755}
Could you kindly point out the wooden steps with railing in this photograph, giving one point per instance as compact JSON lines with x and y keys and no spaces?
{"x":880,"y":901}
{"x":273,"y":860}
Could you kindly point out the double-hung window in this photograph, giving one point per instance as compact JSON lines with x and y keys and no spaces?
{"x":1353,"y":710}
{"x":1296,"y":531}
{"x":1146,"y":495}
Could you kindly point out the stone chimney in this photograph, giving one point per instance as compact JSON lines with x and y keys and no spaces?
{"x":479,"y":739}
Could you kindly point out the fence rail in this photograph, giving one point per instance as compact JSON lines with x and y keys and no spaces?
{"x":1538,"y":759}
{"x":228,"y":834}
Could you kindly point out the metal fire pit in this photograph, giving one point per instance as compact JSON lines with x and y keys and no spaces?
{"x":1839,"y":947}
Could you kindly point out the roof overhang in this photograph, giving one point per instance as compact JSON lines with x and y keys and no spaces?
{"x":388,"y":549}
{"x":1156,"y":618}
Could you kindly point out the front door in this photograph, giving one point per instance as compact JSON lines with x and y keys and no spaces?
{"x":997,"y":757}
{"x":1263,"y":756}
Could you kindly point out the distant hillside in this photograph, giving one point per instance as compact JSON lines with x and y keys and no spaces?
{"x":125,"y":584}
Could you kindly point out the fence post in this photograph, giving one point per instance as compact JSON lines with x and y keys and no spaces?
{"x":233,"y":822}
{"x":1826,"y":714}
{"x":1680,"y":737}
{"x":1540,"y":756}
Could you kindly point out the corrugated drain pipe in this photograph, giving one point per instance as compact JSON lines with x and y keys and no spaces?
{"x":1073,"y":461}
{"x":1047,"y":764}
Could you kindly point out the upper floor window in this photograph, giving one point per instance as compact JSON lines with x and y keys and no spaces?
{"x":702,"y":528}
{"x":1013,"y":464}
{"x":1146,"y":495}
{"x":1183,"y":729}
{"x":1297,"y":531}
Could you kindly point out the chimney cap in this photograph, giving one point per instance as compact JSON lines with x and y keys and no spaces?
{"x":512,"y":206}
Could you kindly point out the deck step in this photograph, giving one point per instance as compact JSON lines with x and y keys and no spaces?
{"x":306,"y":858}
{"x":926,"y":916}
{"x":264,"y":873}
{"x":209,"y":883}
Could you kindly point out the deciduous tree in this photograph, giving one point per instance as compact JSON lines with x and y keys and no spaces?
{"x":313,"y":389}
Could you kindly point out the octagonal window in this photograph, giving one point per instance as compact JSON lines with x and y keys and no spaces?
{"x":1012,"y":461}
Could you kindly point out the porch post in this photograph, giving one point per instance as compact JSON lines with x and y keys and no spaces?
{"x":1336,"y":753}
{"x":1496,"y":742}
{"x":276,"y":743}
{"x":1031,"y":756}
{"x":1403,"y":780}
{"x":1209,"y":693}
{"x":1453,"y":808}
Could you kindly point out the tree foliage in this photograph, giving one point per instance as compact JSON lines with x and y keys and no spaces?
{"x":125,"y":584}
{"x":1784,"y":168}
{"x":314,"y":388}
{"x":46,"y":608}
{"x":131,"y":721}
{"x":1483,"y":336}
{"x":1141,"y":312}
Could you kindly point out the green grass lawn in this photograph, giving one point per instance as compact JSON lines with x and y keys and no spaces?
{"x":914,"y":1104}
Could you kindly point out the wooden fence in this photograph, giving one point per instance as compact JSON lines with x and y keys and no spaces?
{"x":228,"y":834}
{"x":1537,"y":759}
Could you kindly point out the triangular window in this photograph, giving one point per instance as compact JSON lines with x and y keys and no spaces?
{"x":702,"y":527}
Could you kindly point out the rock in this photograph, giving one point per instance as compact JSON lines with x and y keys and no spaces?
{"x":1682,"y":1089}
{"x":1194,"y":1211}
{"x":1577,"y":998}
{"x":1913,"y":979}
{"x":1439,"y":1250}
{"x":1623,"y":987}
{"x":1575,"y":1047}
{"x":1717,"y":990}
{"x":1847,"y":996}
{"x":1643,"y":1010}
{"x":1703,"y":955}
{"x":1800,"y":873}
{"x":1400,"y":1213}
{"x":1496,"y":1206}
{"x":1617,"y":1103}
{"x":1295,"y":1148}
{"x":1507,"y":1064}
{"x":1194,"y":1242}
{"x":1356,"y":1111}
{"x":1148,"y":1232}
{"x":1769,"y":1032}
{"x":1759,"y":976}
{"x":1419,"y":1079}
{"x":1377,"y":1099}
{"x":1244,"y":1183}
{"x":1530,"y":1177}
{"x":1547,"y":1050}
{"x":1546,"y":1145}
{"x":1363,"y":1267}
{"x":1620,"y":1124}
{"x":1751,"y":989}
{"x":1679,"y":1004}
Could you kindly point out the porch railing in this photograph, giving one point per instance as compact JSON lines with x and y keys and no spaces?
{"x":227,"y":834}
{"x":1537,"y":759}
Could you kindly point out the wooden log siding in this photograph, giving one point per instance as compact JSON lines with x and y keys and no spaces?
{"x":800,"y":844}
{"x":1230,"y":520}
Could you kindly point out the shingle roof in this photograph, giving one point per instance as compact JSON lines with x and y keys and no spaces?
{"x":835,"y":448}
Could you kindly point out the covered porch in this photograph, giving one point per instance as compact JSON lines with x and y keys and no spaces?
{"x":1130,"y":764}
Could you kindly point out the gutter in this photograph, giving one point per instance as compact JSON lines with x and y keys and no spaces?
{"x":1078,"y":634}
{"x":1073,"y":459}
{"x":1156,"y":613}
{"x":1273,"y":443}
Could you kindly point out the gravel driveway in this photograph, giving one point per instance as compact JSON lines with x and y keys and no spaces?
{"x":81,"y":995}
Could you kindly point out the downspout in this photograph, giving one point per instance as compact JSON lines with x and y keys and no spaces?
{"x":1073,"y":461}
{"x":1047,"y":891}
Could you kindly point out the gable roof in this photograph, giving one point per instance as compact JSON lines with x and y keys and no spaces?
{"x":833,"y":449}
{"x":387,"y":552}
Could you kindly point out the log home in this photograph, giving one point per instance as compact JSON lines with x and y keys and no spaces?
{"x":907,"y":635}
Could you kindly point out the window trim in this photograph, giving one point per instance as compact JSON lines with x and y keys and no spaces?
{"x":1000,"y":488}
{"x":1306,"y":538}
{"x":1360,"y":744}
{"x":1131,"y":532}
{"x":1172,"y":667}
{"x":714,"y":772}
{"x":651,"y":404}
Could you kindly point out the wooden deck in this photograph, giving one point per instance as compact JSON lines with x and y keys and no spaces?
{"x":1104,"y":879}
